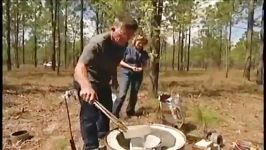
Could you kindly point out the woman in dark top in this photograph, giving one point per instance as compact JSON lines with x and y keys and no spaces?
{"x":132,"y":65}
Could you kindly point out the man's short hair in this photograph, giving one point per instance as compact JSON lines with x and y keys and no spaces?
{"x":126,"y":21}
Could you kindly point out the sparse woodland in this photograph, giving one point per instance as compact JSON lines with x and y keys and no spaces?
{"x":193,"y":52}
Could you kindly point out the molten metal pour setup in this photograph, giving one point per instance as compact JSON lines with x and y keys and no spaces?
{"x":141,"y":137}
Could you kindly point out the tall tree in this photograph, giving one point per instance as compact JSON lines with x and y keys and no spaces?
{"x":179,"y":48}
{"x":156,"y":24}
{"x":228,"y":49}
{"x":81,"y":26}
{"x":53,"y":22}
{"x":35,"y":37}
{"x":23,"y":38}
{"x":247,"y":68}
{"x":58,"y":36}
{"x":97,"y":19}
{"x":174,"y":44}
{"x":9,"y":66}
{"x":45,"y":48}
{"x":260,"y":68}
{"x":73,"y":47}
{"x":65,"y":37}
{"x":182,"y":50}
{"x":230,"y":34}
{"x":16,"y":35}
{"x":188,"y":47}
{"x":225,"y":17}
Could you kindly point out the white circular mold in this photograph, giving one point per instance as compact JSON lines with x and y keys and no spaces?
{"x":163,"y":137}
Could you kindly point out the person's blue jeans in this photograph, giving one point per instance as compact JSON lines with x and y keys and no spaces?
{"x":133,"y":80}
{"x":93,"y":123}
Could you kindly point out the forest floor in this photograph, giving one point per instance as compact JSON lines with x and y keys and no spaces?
{"x":32,"y":101}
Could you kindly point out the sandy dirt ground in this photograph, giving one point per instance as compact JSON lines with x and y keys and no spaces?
{"x":32,"y":101}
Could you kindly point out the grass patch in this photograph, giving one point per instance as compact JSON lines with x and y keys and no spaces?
{"x":62,"y":144}
{"x":204,"y":116}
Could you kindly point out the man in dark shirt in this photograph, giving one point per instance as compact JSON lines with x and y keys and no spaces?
{"x":96,"y":68}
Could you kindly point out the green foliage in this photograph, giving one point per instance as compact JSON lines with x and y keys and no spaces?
{"x":197,"y":56}
{"x":108,"y":9}
{"x":238,"y":53}
{"x":144,"y":14}
{"x":208,"y":49}
{"x":204,"y":116}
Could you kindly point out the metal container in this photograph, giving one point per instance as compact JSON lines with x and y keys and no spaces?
{"x":172,"y":110}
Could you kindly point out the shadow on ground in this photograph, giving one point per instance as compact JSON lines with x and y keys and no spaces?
{"x":188,"y":127}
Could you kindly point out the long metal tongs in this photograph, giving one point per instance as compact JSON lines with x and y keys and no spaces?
{"x":119,"y":123}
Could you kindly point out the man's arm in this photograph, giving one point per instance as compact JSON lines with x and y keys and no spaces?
{"x":87,"y":57}
{"x":81,"y":75}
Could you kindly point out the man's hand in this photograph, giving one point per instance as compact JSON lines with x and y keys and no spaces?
{"x":88,"y":94}
{"x":114,"y":83}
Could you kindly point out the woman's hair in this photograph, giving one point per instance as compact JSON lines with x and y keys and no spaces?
{"x":140,"y":37}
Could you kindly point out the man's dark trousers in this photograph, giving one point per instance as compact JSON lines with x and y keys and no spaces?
{"x":93,"y":123}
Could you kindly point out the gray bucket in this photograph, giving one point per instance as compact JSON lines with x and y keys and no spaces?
{"x":170,"y":139}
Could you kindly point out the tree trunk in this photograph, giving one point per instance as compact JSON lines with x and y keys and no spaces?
{"x":249,"y":39}
{"x":73,"y":48}
{"x":9,"y":66}
{"x":53,"y":14}
{"x":206,"y":56}
{"x":165,"y":62}
{"x":97,"y":20}
{"x":260,"y":69}
{"x":81,"y":28}
{"x":23,"y":40}
{"x":182,"y":51}
{"x":228,"y":48}
{"x":185,"y":50}
{"x":164,"y":48}
{"x":161,"y":47}
{"x":179,"y":49}
{"x":220,"y":49}
{"x":173,"y":56}
{"x":102,"y":22}
{"x":58,"y":37}
{"x":188,"y":47}
{"x":35,"y":38}
{"x":45,"y":48}
{"x":65,"y":52}
{"x":16,"y":36}
{"x":229,"y":44}
{"x":156,"y":23}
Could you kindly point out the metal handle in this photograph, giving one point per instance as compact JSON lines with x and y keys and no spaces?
{"x":72,"y":143}
{"x":112,"y":117}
